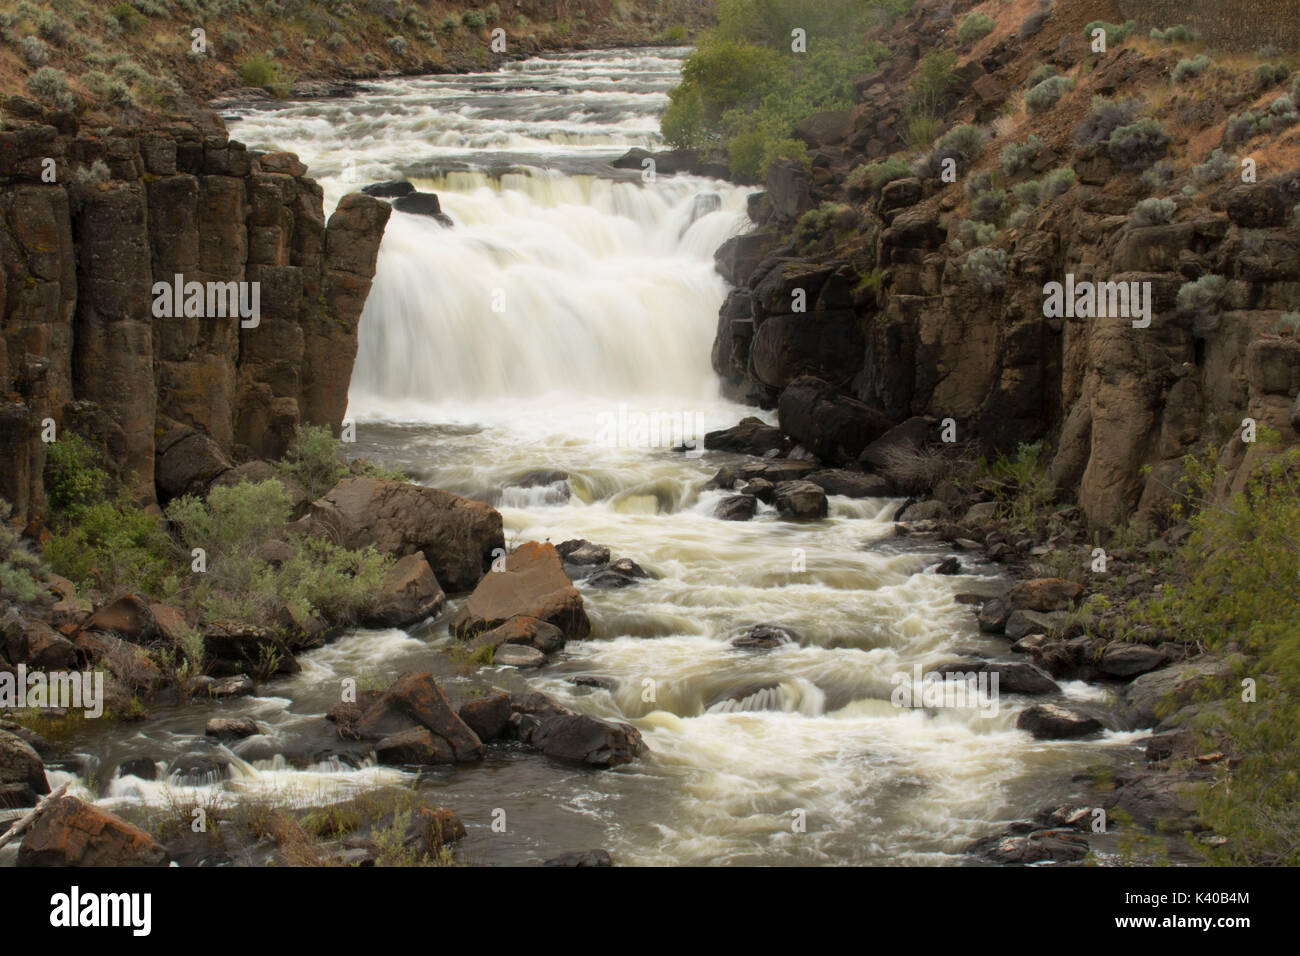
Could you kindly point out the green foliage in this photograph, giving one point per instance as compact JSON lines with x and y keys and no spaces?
{"x":1058,"y":182}
{"x":51,"y":87}
{"x":1017,"y":157}
{"x":1176,"y":34}
{"x":975,"y":234}
{"x":921,"y":129}
{"x":744,"y":83}
{"x":1215,"y":167}
{"x":975,"y":26}
{"x":675,"y":34}
{"x":262,"y":72}
{"x":873,"y":177}
{"x":73,"y":478}
{"x":1115,"y":32}
{"x":962,"y":144}
{"x":1270,"y":74}
{"x":1044,"y":72}
{"x":1029,"y":194}
{"x":130,"y":19}
{"x":1047,"y":93}
{"x":1139,"y":144}
{"x":828,"y":218}
{"x":1191,"y":67}
{"x":986,"y":269}
{"x":1153,"y":212}
{"x":313,"y":460}
{"x":115,"y":546}
{"x":1022,"y":485}
{"x":935,"y":81}
{"x":1240,"y":127}
{"x":988,"y":199}
{"x":474,"y":19}
{"x":1240,"y":577}
{"x":16,"y":565}
{"x":1200,"y":300}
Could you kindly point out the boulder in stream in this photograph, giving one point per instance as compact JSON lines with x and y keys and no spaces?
{"x":534,"y":584}
{"x":71,"y":832}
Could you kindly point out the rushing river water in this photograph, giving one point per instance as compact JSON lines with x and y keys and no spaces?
{"x":570,"y":297}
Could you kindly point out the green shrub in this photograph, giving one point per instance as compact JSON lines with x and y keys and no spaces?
{"x":50,"y":86}
{"x":1270,"y":74}
{"x":1176,"y":34}
{"x":873,"y":177}
{"x":1017,"y":157}
{"x":1058,"y":183}
{"x":1200,"y":301}
{"x":262,"y":72}
{"x":73,"y":478}
{"x":1158,"y":176}
{"x":975,"y":26}
{"x":335,"y":42}
{"x":935,"y":81}
{"x":1116,"y":33}
{"x":1139,"y":144}
{"x":1047,"y":93}
{"x":313,"y":460}
{"x":962,"y":144}
{"x":1239,"y":128}
{"x":17,"y":565}
{"x":1153,"y":212}
{"x":1215,"y":167}
{"x":1190,"y":68}
{"x":1104,"y":118}
{"x":128,"y":17}
{"x":675,"y":34}
{"x":921,"y":128}
{"x":1044,"y":72}
{"x":114,"y":546}
{"x":474,"y":19}
{"x":52,"y":28}
{"x":397,"y":45}
{"x":1281,"y":114}
{"x":986,"y":269}
{"x":1029,"y":194}
{"x":974,"y":234}
{"x":988,"y":199}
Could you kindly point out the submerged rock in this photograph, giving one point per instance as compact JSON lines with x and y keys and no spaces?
{"x":764,"y":636}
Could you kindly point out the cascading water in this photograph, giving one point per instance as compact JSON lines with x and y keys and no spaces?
{"x":567,"y":295}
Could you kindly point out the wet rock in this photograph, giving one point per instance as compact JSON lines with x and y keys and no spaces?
{"x":422,"y":204}
{"x":725,"y":479}
{"x":71,"y":832}
{"x":1050,"y":722}
{"x":237,"y":685}
{"x":587,"y":740}
{"x":619,"y":574}
{"x":390,"y":189}
{"x":760,"y":488}
{"x":21,"y":771}
{"x":39,"y":646}
{"x":924,"y":511}
{"x":231,"y":728}
{"x":1045,"y":594}
{"x":1023,"y":623}
{"x":525,"y":630}
{"x":582,"y":552}
{"x":586,"y":680}
{"x":1038,"y":846}
{"x":487,"y":716}
{"x":533,"y":584}
{"x":832,"y":426}
{"x":736,"y":508}
{"x":143,"y":767}
{"x":417,"y":700}
{"x":234,"y":648}
{"x":764,"y":636}
{"x":1160,"y":801}
{"x":750,"y":437}
{"x":1129,"y":660}
{"x":1029,"y":643}
{"x":775,"y":471}
{"x":199,"y":769}
{"x":800,"y":500}
{"x":417,"y":746}
{"x":410,"y":593}
{"x":948,"y":566}
{"x":851,"y":484}
{"x":581,"y":858}
{"x":993,"y":615}
{"x":1014,"y":677}
{"x":432,"y":828}
{"x":518,"y":655}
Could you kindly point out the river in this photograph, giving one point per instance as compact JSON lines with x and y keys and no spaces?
{"x":570,"y":304}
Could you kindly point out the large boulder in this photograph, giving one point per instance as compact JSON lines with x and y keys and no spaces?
{"x":129,"y":616}
{"x":1153,"y":696}
{"x":233,"y":648}
{"x":525,"y":630}
{"x":533,"y":584}
{"x":39,"y":646}
{"x":22,"y":774}
{"x":410,"y":593}
{"x":1045,"y":594}
{"x":832,"y":426}
{"x":827,"y":343}
{"x":851,"y":484}
{"x":737,"y":258}
{"x":71,"y":832}
{"x":186,"y":461}
{"x":588,"y":740}
{"x":750,"y":437}
{"x":456,"y":535}
{"x":416,"y":701}
{"x":487,"y":716}
{"x":1050,"y":722}
{"x":800,"y":499}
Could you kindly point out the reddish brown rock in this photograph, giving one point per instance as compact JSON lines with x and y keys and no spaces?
{"x":129,"y":616}
{"x":533,"y":584}
{"x":410,"y":594}
{"x":416,"y":700}
{"x":71,"y":832}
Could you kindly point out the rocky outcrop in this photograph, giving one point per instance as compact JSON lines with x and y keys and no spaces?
{"x":170,"y":400}
{"x":458,"y":537}
{"x":532,"y":583}
{"x":71,"y":832}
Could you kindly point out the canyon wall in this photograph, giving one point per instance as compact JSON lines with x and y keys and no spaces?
{"x":89,"y":222}
{"x":1244,"y":25}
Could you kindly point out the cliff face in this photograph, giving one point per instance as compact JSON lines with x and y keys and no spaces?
{"x":88,"y":224}
{"x":932,"y":336}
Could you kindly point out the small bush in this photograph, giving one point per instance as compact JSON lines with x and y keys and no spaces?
{"x":51,"y":28}
{"x":821,"y":220}
{"x":935,"y":81}
{"x":1175,"y":34}
{"x":1058,"y":183}
{"x":975,"y":234}
{"x":1029,"y":194}
{"x":1047,"y":93}
{"x":474,"y":19}
{"x":872,"y":177}
{"x":961,"y":144}
{"x":988,"y":199}
{"x":1200,"y":300}
{"x":260,"y":71}
{"x":313,"y":460}
{"x":1017,"y":157}
{"x":1281,"y":114}
{"x":1139,"y":144}
{"x":1190,"y":68}
{"x":1116,"y":33}
{"x":1215,"y":167}
{"x":17,"y":565}
{"x":1105,"y":117}
{"x":975,"y":26}
{"x":921,"y":128}
{"x":1153,"y":212}
{"x":50,"y":86}
{"x":34,"y":51}
{"x":1158,"y":176}
{"x":1239,"y":128}
{"x":1270,"y":74}
{"x":335,"y":42}
{"x":128,"y":17}
{"x":450,"y":23}
{"x":986,"y":269}
{"x":397,"y":45}
{"x":1044,"y":72}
